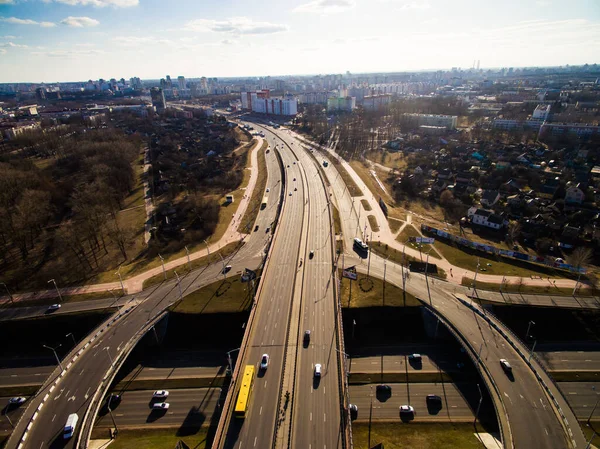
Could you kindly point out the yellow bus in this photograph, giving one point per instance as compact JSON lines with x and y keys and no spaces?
{"x":241,"y":406}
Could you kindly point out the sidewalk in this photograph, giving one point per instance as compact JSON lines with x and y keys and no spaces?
{"x":134,"y":284}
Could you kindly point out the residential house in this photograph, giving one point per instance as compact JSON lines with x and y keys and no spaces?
{"x":509,"y":187}
{"x":489,"y":198}
{"x":486,"y":218}
{"x":574,"y":195}
{"x":550,"y":188}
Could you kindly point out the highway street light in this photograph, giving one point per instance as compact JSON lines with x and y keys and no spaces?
{"x":594,"y":409}
{"x":107,"y":349}
{"x":72,"y":336}
{"x":475,"y":278}
{"x":179,"y":285}
{"x":207,"y":250}
{"x":187,"y":251}
{"x":56,"y":287}
{"x":229,"y":359}
{"x":118,"y":273}
{"x":55,"y":355}
{"x":162,"y":261}
{"x":426,"y":278}
{"x":531,"y":323}
{"x":7,"y":291}
{"x":478,"y":405}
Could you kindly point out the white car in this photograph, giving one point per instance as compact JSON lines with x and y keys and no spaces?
{"x":17,"y":400}
{"x":407,"y":409}
{"x":414,"y":357}
{"x":160,"y":406}
{"x":268,"y":190}
{"x":318,"y":370}
{"x":54,"y":307}
{"x":264,"y":361}
{"x":160,"y":394}
{"x":290,"y":193}
{"x":505,"y":365}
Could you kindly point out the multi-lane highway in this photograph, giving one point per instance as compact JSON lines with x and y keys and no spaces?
{"x":76,"y":388}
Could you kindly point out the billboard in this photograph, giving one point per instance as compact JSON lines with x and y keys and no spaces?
{"x":424,"y":240}
{"x":350,"y":273}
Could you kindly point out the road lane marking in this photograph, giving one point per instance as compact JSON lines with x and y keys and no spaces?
{"x":255,"y":440}
{"x":265,"y":384}
{"x":324,"y":417}
{"x":54,"y":417}
{"x":260,"y":411}
{"x":310,"y":416}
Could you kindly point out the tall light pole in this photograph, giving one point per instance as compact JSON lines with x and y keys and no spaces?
{"x":589,"y":444}
{"x":55,"y":355}
{"x":207,"y":249}
{"x":162,"y":261}
{"x":7,"y":291}
{"x":52,"y":281}
{"x":531,"y":323}
{"x":532,"y":349}
{"x":229,"y":359}
{"x":118,"y":273}
{"x":475,"y":278}
{"x":179,"y":285}
{"x":478,"y":405}
{"x":107,"y":349}
{"x":223,"y":262}
{"x":384,"y":270}
{"x":427,"y":278}
{"x":187,"y":251}
{"x":72,"y":336}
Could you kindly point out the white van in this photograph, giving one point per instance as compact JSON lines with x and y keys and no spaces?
{"x":70,"y":426}
{"x":360,"y":244}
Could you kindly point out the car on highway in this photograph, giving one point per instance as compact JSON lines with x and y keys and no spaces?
{"x":290,"y":193}
{"x":407,"y":410}
{"x":311,"y":254}
{"x":294,"y":179}
{"x":160,"y":406}
{"x":16,"y":401}
{"x":288,"y":166}
{"x":353,"y":411}
{"x":383,"y":388}
{"x":294,"y":162}
{"x":505,"y":366}
{"x":415,"y":358}
{"x":160,"y":394}
{"x":295,"y":189}
{"x":53,"y":307}
{"x":264,"y":361}
{"x":255,"y":228}
{"x":268,"y":190}
{"x":226,"y":269}
{"x":268,"y":229}
{"x":433,"y":400}
{"x":306,"y":337}
{"x":317,"y":370}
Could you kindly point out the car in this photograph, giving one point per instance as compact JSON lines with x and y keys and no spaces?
{"x":294,"y":179}
{"x":268,"y":190}
{"x":255,"y":228}
{"x":311,"y":254}
{"x":294,"y":162}
{"x":264,"y":361}
{"x":317,"y":370}
{"x":290,"y":193}
{"x":407,"y":410}
{"x":288,"y":166}
{"x":306,"y":336}
{"x":433,"y":400}
{"x":18,"y":400}
{"x":226,"y":269}
{"x":160,"y":394}
{"x":53,"y":307}
{"x":295,"y":189}
{"x":353,"y":411}
{"x":505,"y":365}
{"x":268,"y":229}
{"x":160,"y":406}
{"x":415,"y":358}
{"x":383,"y":388}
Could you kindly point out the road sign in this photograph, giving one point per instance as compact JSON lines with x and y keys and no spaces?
{"x":350,"y":273}
{"x":425,"y":240}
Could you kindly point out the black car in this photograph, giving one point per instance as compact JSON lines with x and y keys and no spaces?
{"x":311,"y":254}
{"x":434,"y":400}
{"x":384,"y":389}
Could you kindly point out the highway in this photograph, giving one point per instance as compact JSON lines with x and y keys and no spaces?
{"x":77,"y":386}
{"x":15,"y":313}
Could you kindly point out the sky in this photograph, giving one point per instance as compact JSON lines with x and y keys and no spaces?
{"x":77,"y":40}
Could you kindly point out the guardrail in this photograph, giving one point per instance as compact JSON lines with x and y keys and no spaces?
{"x":495,"y":323}
{"x":226,"y":409}
{"x":59,"y":378}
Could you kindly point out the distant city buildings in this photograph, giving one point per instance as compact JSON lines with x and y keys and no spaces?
{"x":376,"y":102}
{"x":262,"y":103}
{"x":346,"y":104}
{"x":158,"y":99}
{"x":417,"y":120}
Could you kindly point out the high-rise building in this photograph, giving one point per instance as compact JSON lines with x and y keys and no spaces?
{"x":341,"y":104}
{"x":158,"y":99}
{"x":169,"y":82}
{"x":40,"y":94}
{"x":181,"y":81}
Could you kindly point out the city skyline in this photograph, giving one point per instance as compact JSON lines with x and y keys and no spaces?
{"x":75,"y":40}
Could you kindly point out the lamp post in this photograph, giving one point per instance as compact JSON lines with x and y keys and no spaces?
{"x":162,"y":261}
{"x":107,"y":349}
{"x":427,"y":278}
{"x":56,"y":287}
{"x":179,"y":285}
{"x":118,"y":273}
{"x":72,"y":336}
{"x":7,"y":291}
{"x":594,"y":409}
{"x":207,"y":249}
{"x":229,"y":359}
{"x":475,"y":278}
{"x":187,"y":251}
{"x":55,"y":355}
{"x":531,"y":323}
{"x":478,"y":406}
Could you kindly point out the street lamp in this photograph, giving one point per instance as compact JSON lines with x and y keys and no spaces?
{"x":187,"y":251}
{"x":56,"y":287}
{"x":72,"y":336}
{"x":229,"y":359}
{"x":179,"y":285}
{"x":107,"y":349}
{"x":207,"y":249}
{"x":426,"y":277}
{"x":162,"y":261}
{"x":531,"y":323}
{"x":55,"y":355}
{"x":478,"y":405}
{"x":7,"y":291}
{"x":475,"y":278}
{"x":118,"y":273}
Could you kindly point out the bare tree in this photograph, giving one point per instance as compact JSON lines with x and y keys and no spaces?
{"x":513,"y":231}
{"x":580,"y":257}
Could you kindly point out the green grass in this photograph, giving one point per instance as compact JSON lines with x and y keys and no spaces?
{"x":415,"y":435}
{"x":259,"y":191}
{"x":408,"y":231}
{"x":366,"y":205}
{"x":467,"y":259}
{"x":365,"y":175}
{"x":225,"y":296}
{"x":395,"y":256}
{"x":373,"y":223}
{"x":352,"y":187}
{"x":395,"y":224}
{"x":214,"y":257}
{"x":516,"y":287}
{"x":411,"y":231}
{"x":337,"y":223}
{"x":374,"y":296}
{"x":155,"y":438}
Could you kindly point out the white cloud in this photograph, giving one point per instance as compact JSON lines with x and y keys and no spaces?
{"x":409,"y":4}
{"x":11,"y":45}
{"x":68,"y":53}
{"x":99,"y":3}
{"x":325,"y":6}
{"x":2,"y":51}
{"x":229,"y":42}
{"x":10,"y":37}
{"x":234,"y":25}
{"x":17,"y":21}
{"x":136,"y":41}
{"x":7,"y":2}
{"x":80,"y":22}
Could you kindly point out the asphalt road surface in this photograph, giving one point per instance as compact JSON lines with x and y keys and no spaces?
{"x":75,"y":390}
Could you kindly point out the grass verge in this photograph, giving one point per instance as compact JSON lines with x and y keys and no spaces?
{"x":373,"y":223}
{"x":258,"y":192}
{"x":395,"y":224}
{"x":19,"y":390}
{"x":416,"y":435}
{"x":575,"y":376}
{"x":225,"y":296}
{"x":156,"y":438}
{"x":518,"y":287}
{"x":394,"y":255}
{"x":352,"y":187}
{"x":365,"y":175}
{"x":337,"y":222}
{"x":490,"y":264}
{"x":224,"y":252}
{"x":366,"y":205}
{"x":411,"y":231}
{"x":65,"y":298}
{"x":370,"y":293}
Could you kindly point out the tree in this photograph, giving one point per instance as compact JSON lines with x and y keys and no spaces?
{"x":513,"y":231}
{"x":580,"y":257}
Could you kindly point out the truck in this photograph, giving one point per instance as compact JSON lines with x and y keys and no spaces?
{"x":229,"y":199}
{"x":70,"y":426}
{"x":264,"y":202}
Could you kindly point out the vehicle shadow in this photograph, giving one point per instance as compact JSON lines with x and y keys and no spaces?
{"x":155,"y":415}
{"x":192,"y":423}
{"x":316,"y":382}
